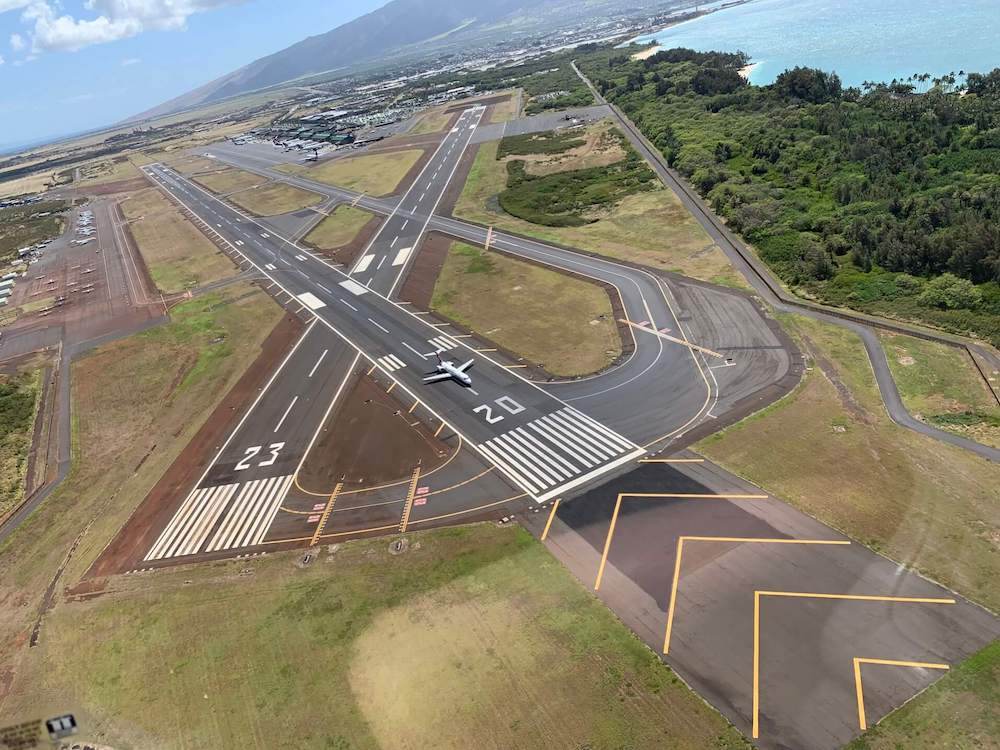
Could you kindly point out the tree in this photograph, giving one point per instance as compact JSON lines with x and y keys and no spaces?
{"x":808,"y":85}
{"x":949,"y":292}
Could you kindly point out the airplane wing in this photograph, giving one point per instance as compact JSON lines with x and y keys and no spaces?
{"x":466,"y":366}
{"x":437,"y":378}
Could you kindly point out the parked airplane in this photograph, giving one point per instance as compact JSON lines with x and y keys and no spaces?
{"x":446,"y":370}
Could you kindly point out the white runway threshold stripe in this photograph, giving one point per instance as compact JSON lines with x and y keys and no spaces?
{"x":244,"y":525}
{"x":561,"y":450}
{"x":249,"y":519}
{"x":363,"y":264}
{"x":311,"y":301}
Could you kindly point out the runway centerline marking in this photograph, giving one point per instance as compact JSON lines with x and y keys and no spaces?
{"x":285,"y":415}
{"x":316,"y":366}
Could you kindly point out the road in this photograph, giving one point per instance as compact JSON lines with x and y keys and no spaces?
{"x":764,"y":283}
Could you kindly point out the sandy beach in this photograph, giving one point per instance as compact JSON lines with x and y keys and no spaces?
{"x":647,"y":52}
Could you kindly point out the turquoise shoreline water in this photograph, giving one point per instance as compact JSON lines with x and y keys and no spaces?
{"x":859,"y":39}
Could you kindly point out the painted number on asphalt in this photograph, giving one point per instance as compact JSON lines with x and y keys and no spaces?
{"x":253,"y":450}
{"x":505,"y":402}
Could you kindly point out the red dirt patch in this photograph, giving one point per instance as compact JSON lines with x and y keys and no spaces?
{"x":369,"y":440}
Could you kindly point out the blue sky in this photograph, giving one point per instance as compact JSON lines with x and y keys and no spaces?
{"x":73,"y":65}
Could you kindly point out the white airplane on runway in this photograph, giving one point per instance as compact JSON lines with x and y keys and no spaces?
{"x":446,"y":370}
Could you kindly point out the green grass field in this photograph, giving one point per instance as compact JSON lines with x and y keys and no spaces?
{"x":18,"y":402}
{"x":228,"y":180}
{"x":177,"y":255}
{"x":961,"y":711}
{"x":274,"y":198}
{"x":339,"y":228}
{"x":830,"y":449}
{"x":136,"y":404}
{"x":478,"y":635}
{"x":375,"y":174}
{"x":651,"y":228}
{"x":508,"y":301}
{"x":21,"y":226}
{"x":941,"y":385}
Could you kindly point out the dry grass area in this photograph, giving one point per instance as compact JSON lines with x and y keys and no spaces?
{"x":433,"y":121}
{"x":34,"y":183}
{"x":106,"y":170}
{"x":941,"y":385}
{"x":339,"y":228}
{"x":178,"y":256}
{"x":136,"y":404}
{"x":189,"y":164}
{"x":375,"y":174}
{"x":510,"y":302}
{"x":274,"y":198}
{"x":651,"y":228}
{"x":228,"y":180}
{"x":506,"y":110}
{"x":961,"y":711}
{"x":830,"y":449}
{"x":474,"y":632}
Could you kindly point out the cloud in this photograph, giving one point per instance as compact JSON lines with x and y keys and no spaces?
{"x":17,"y":42}
{"x":115,"y":19}
{"x":2,"y":61}
{"x":6,"y":5}
{"x":131,"y":61}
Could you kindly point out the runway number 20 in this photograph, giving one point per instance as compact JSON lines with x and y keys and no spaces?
{"x":505,"y":402}
{"x":253,"y":450}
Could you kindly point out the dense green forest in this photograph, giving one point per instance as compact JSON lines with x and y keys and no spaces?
{"x":885,"y":198}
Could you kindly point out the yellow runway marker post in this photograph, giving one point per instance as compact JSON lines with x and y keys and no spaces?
{"x":862,"y":719}
{"x":748,"y":540}
{"x":807,"y":595}
{"x":405,"y":520}
{"x":555,"y":507}
{"x":326,"y":513}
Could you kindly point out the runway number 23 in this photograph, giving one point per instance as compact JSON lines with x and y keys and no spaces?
{"x":505,"y":402}
{"x":253,"y":450}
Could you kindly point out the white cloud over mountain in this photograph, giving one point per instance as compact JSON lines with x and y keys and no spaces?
{"x":51,"y":30}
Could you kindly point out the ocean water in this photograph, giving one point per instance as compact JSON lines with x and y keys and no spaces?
{"x":874,"y":40}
